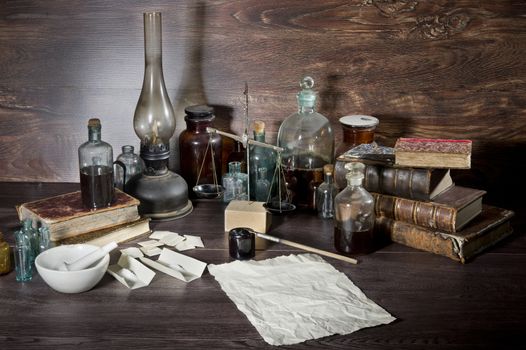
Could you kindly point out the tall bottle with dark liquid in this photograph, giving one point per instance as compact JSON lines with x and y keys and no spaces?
{"x":354,"y":214}
{"x":308,"y":144}
{"x":96,"y":169}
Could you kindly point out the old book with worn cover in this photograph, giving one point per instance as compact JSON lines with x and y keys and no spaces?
{"x":412,"y":183}
{"x":433,"y":153}
{"x":65,"y":216}
{"x":449,"y":211}
{"x":118,"y":234}
{"x":490,"y":227}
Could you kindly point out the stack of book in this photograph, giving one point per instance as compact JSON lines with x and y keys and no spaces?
{"x":69,"y":222}
{"x":418,"y":205}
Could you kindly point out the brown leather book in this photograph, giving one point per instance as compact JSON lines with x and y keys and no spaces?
{"x":412,"y":183}
{"x":449,"y":211}
{"x":118,"y":234}
{"x":490,"y":227}
{"x":65,"y":216}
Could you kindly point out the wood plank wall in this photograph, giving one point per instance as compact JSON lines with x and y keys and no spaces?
{"x":449,"y":69}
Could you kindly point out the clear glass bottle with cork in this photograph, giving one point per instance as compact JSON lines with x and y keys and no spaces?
{"x":354,"y":214}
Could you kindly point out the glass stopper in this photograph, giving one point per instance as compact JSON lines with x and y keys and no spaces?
{"x":307,"y":83}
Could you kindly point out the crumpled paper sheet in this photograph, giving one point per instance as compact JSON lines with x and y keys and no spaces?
{"x":290,"y":299}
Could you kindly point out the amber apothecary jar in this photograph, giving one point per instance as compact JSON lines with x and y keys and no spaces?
{"x":196,"y":147}
{"x":357,"y":129}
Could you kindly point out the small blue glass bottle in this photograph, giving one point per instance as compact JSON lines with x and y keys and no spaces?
{"x":31,"y":236}
{"x":23,"y":257}
{"x":44,"y":242}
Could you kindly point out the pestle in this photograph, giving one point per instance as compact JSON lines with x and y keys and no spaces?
{"x":88,"y":260}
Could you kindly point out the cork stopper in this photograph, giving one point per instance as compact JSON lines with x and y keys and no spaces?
{"x":259,"y":126}
{"x":328,"y":169}
{"x":94,"y":123}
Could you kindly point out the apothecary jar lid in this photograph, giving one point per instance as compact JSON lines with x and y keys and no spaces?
{"x":359,"y":121}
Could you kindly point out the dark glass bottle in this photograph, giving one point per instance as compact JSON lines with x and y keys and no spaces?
{"x":197,"y":169}
{"x":96,"y":169}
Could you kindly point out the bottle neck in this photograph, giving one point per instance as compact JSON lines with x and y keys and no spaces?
{"x":306,"y":109}
{"x":353,"y":182}
{"x":327,"y":178}
{"x":94,"y":134}
{"x":260,"y":137}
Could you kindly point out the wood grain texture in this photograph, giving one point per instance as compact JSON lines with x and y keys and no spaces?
{"x":440,"y":69}
{"x":439,"y":303}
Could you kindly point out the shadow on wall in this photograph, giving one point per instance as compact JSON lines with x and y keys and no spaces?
{"x":191,"y":89}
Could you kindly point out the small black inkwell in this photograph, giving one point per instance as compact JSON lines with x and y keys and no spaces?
{"x":241,"y":243}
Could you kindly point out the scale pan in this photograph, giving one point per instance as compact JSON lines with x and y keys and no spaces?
{"x":208,"y":191}
{"x":276,"y":208}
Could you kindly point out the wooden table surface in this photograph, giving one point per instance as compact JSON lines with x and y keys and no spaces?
{"x":438,"y":303}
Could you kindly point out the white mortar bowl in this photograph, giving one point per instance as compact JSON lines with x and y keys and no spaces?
{"x":49,"y":261}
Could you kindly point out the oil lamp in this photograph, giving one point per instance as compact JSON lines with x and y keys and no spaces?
{"x":162,"y":193}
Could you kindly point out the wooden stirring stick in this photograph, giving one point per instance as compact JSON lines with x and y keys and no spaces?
{"x":305,"y":247}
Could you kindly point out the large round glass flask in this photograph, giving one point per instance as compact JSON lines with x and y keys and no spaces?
{"x":308,"y":142}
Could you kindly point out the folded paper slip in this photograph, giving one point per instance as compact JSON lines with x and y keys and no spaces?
{"x":177,"y":265}
{"x":290,"y":299}
{"x":131,"y":273}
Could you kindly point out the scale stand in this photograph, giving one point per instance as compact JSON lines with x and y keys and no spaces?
{"x":211,"y":191}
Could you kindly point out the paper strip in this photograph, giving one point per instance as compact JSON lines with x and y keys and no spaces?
{"x":150,"y":243}
{"x":151,"y":251}
{"x":132,"y":252}
{"x":194,"y":240}
{"x":177,"y":265}
{"x":131,"y":273}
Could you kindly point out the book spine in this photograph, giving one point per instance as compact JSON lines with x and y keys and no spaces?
{"x":425,"y":214}
{"x":419,"y":237}
{"x":400,"y":182}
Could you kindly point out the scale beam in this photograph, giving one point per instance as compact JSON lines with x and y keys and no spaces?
{"x":244,"y":139}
